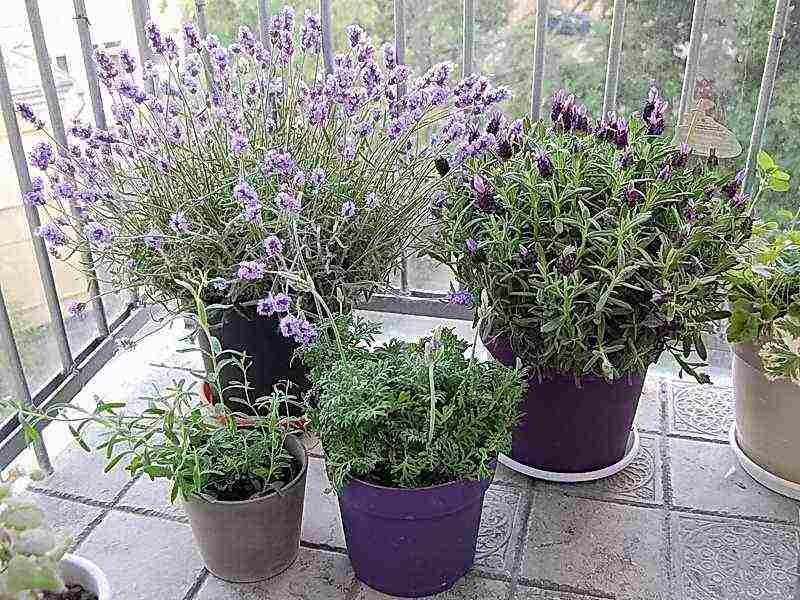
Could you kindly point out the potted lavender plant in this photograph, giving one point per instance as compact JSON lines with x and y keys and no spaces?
{"x":241,"y":478}
{"x":246,"y":163}
{"x":600,"y":246}
{"x":411,"y":434}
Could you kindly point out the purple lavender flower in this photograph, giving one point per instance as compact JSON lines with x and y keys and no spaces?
{"x":349,"y":151}
{"x":281,"y":28}
{"x":731,"y":188}
{"x":620,"y":127}
{"x":496,"y":121}
{"x":123,"y":112}
{"x":437,"y":203}
{"x":399,"y":74}
{"x":251,"y":270}
{"x":681,"y":159}
{"x":665,"y":174}
{"x":127,"y":61}
{"x":311,"y":34}
{"x":273,"y":245}
{"x":653,"y":112}
{"x":472,"y":246}
{"x":461,"y":298}
{"x":106,"y":68}
{"x":252,"y":212}
{"x":348,"y":210}
{"x":355,"y":35}
{"x":99,"y":235}
{"x":191,"y":38}
{"x":371,"y":201}
{"x":239,"y":144}
{"x":317,"y":177}
{"x":52,"y":234}
{"x":626,"y":158}
{"x":26,"y":112}
{"x":484,"y":194}
{"x":303,"y":332}
{"x":35,"y":195}
{"x":245,"y":193}
{"x":219,"y":284}
{"x":389,"y":56}
{"x":632,"y":195}
{"x":153,"y":239}
{"x":288,"y":202}
{"x":179,"y":223}
{"x":220,"y":60}
{"x":42,"y":156}
{"x":277,"y":162}
{"x":544,"y":164}
{"x":64,"y":189}
{"x":272,"y":304}
{"x":154,"y":37}
{"x":76,"y":309}
{"x":740,"y":200}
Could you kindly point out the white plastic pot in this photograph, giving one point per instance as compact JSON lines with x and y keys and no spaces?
{"x":79,"y":571}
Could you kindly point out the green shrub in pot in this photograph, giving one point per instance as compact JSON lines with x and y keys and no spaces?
{"x":411,"y":433}
{"x":408,"y":414}
{"x":240,"y":478}
{"x":600,"y":245}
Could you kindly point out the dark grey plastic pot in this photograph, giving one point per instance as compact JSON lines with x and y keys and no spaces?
{"x":254,"y":539}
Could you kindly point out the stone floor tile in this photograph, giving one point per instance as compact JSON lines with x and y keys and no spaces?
{"x":144,"y":558}
{"x":470,"y":587}
{"x":648,"y":415}
{"x":598,"y":548}
{"x":702,"y":411}
{"x":315,"y":575}
{"x":640,"y":481}
{"x":65,"y":516}
{"x":530,"y":593}
{"x":728,"y":559}
{"x":152,"y":495}
{"x":82,"y":473}
{"x":322,"y":523}
{"x":706,"y":476}
{"x":503,"y":474}
{"x":500,"y":533}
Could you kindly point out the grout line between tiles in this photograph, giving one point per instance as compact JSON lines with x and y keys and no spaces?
{"x":550,"y":586}
{"x":526,"y":514}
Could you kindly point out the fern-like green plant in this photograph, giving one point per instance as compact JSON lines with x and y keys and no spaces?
{"x":408,"y":414}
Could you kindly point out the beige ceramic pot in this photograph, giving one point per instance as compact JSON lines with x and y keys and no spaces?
{"x":767,"y":417}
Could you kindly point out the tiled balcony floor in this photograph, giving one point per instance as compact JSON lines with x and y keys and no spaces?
{"x":682,"y":522}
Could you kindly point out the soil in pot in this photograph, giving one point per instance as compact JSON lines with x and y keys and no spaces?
{"x":411,"y":542}
{"x":74,"y":592}
{"x":571,"y":428}
{"x":271,"y":357}
{"x":255,"y":539}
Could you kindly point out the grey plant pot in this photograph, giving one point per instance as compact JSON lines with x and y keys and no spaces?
{"x":767,"y":414}
{"x":255,"y":539}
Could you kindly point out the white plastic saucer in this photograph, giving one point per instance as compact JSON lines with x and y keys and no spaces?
{"x":769,"y":480}
{"x":631,"y":452}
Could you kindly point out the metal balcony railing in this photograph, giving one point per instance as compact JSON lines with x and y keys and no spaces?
{"x":77,"y":369}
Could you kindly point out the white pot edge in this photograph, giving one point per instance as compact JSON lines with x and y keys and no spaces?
{"x":78,"y":570}
{"x":634,"y":443}
{"x":787,"y":488}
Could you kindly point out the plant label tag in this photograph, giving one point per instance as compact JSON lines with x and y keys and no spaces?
{"x":703,"y":134}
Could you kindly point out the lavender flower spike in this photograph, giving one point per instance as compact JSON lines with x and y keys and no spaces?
{"x":348,"y":210}
{"x":251,"y":270}
{"x":545,"y":165}
{"x":179,"y":223}
{"x":461,"y":298}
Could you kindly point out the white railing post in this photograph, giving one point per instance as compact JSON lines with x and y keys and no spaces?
{"x":538,"y":59}
{"x":614,"y":57}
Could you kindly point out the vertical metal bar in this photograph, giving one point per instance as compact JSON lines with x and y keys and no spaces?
{"x":202,"y":28}
{"x":60,"y":134}
{"x":32,"y":216}
{"x":469,"y":37}
{"x":693,"y":58}
{"x":263,"y":22}
{"x":326,"y":14}
{"x":400,"y":48}
{"x":141,"y":14}
{"x":776,"y":36}
{"x":18,"y":384}
{"x":87,"y":49}
{"x":538,"y":59}
{"x":614,"y":57}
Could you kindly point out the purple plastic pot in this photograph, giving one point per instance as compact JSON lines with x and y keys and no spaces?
{"x":412,"y":542}
{"x":569,"y":429}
